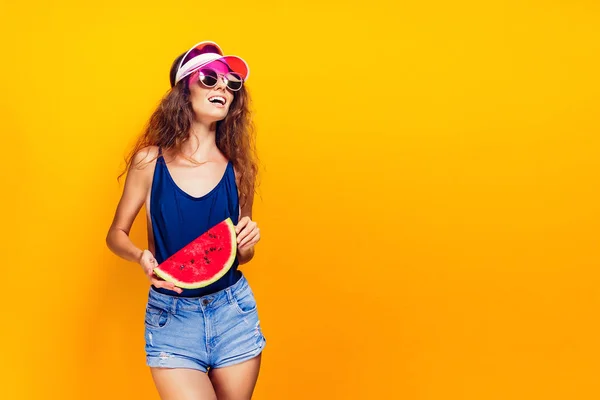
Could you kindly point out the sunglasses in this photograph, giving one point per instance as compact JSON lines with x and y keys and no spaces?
{"x":209,"y":78}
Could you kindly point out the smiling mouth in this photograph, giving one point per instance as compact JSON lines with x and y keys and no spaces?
{"x":219,"y":100}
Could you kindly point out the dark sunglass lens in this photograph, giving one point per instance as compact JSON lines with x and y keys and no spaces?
{"x":234,"y":81}
{"x":208,"y":77}
{"x":234,"y":85}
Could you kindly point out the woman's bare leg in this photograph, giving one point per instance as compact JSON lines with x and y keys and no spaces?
{"x":236,"y":382}
{"x":182,"y":384}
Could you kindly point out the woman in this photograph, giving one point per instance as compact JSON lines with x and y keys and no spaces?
{"x":193,"y":167}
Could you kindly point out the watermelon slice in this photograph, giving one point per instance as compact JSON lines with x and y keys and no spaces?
{"x":202,"y":261}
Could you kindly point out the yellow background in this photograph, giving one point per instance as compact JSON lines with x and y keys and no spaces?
{"x":429,"y":201}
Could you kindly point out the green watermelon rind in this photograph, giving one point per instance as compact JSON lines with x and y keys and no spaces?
{"x":169,"y":278}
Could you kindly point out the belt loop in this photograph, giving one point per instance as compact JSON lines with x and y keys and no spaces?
{"x":229,"y":295}
{"x":174,"y":305}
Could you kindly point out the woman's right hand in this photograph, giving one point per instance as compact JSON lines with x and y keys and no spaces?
{"x":148,"y":263}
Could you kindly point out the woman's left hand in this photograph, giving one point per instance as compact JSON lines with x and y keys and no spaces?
{"x":247,"y":232}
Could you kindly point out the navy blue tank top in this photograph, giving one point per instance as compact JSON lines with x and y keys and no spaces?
{"x":178,"y":218}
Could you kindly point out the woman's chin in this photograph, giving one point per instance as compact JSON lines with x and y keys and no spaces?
{"x":211,"y":116}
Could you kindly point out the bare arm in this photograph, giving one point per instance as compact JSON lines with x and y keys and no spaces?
{"x":246,"y":253}
{"x":137,"y":184}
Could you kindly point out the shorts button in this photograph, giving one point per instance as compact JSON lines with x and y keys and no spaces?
{"x":205,"y":301}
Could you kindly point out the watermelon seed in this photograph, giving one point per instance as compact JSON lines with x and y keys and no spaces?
{"x":192,"y":260}
{"x":181,"y":267}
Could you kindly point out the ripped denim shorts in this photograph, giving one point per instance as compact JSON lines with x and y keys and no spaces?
{"x":211,"y":331}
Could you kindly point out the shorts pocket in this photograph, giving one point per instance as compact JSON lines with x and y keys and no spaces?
{"x":156,"y":317}
{"x":244,"y":301}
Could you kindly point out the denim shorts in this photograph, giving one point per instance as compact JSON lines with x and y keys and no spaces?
{"x":211,"y":331}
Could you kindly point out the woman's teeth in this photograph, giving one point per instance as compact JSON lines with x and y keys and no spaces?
{"x":217,"y":99}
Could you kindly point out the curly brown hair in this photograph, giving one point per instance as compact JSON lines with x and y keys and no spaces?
{"x":170,"y":123}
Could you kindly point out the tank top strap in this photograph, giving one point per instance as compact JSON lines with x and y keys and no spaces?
{"x":160,"y":162}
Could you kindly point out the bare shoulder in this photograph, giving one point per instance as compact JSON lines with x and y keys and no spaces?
{"x":144,"y":158}
{"x":142,"y":168}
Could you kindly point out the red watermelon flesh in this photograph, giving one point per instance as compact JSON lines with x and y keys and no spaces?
{"x":202,"y":261}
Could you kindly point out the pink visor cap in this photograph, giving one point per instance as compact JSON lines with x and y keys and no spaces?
{"x":204,"y":53}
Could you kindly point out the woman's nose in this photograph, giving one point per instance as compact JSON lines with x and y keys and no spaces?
{"x":221,"y":83}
